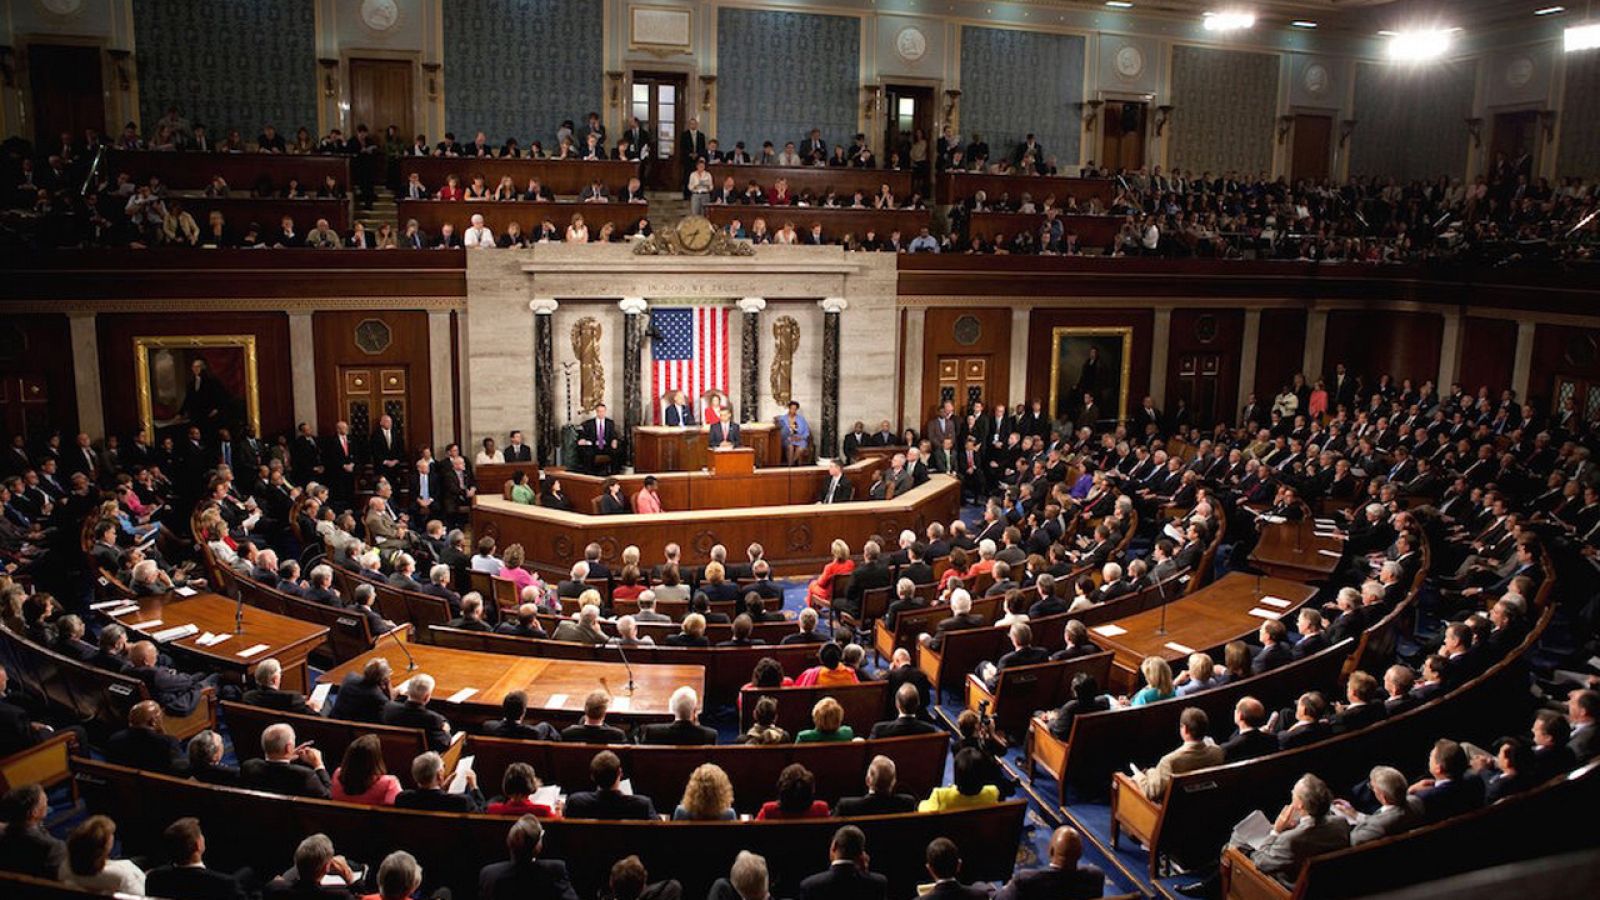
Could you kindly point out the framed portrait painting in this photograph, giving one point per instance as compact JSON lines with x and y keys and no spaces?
{"x":209,"y":381}
{"x":1089,"y":374}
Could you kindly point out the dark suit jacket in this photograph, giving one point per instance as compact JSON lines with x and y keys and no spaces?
{"x":1451,"y":798}
{"x":845,"y":492}
{"x":142,"y":748}
{"x":844,"y":881}
{"x":1249,"y":745}
{"x":609,"y":805}
{"x":680,"y":733}
{"x":31,"y":851}
{"x":538,"y":879}
{"x":717,"y":436}
{"x":287,"y":701}
{"x":196,"y":883}
{"x":901,"y":726}
{"x":955,"y":623}
{"x":593,"y":734}
{"x":955,"y":890}
{"x":1268,"y":658}
{"x":293,"y":779}
{"x":411,"y":715}
{"x":1055,"y":884}
{"x":876,"y":804}
{"x":439,"y":801}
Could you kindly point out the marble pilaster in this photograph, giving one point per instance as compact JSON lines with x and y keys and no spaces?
{"x":544,"y":378}
{"x":632,"y":308}
{"x":828,"y":443}
{"x":86,"y":373}
{"x":750,"y":358}
{"x":303,"y":375}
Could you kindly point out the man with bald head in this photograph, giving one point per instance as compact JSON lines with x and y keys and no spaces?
{"x":287,"y":768}
{"x":177,"y":692}
{"x":143,"y":745}
{"x":1248,"y":740}
{"x":1062,"y":879}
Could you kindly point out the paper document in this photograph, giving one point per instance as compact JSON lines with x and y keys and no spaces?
{"x":556,"y":701}
{"x":1333,"y":553}
{"x":175,"y":632}
{"x":1266,"y":613}
{"x":461,"y":695}
{"x":248,"y":652}
{"x":333,"y":879}
{"x":458,"y":783}
{"x":1328,"y":522}
{"x":1176,"y":647}
{"x":108,"y":604}
{"x":1273,"y":520}
{"x":319,"y":696}
{"x":211,"y":640}
{"x":1110,"y":630}
{"x":549,"y":795}
{"x":185,"y":591}
{"x":1253,"y":831}
{"x":143,"y":625}
{"x":621,"y":704}
{"x":625,"y":787}
{"x":122,"y":610}
{"x":1270,"y":600}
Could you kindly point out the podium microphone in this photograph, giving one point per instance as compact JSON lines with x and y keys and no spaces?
{"x":624,"y":654}
{"x":411,"y":661}
{"x":238,"y":614}
{"x":1161,"y":592}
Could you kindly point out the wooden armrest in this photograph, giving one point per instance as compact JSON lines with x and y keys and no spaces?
{"x":1241,"y":880}
{"x":203,"y":717}
{"x":452,"y":754}
{"x":45,"y":763}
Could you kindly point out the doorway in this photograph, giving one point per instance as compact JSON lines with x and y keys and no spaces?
{"x":963,"y":381}
{"x":25,"y":405}
{"x":1122,"y":134}
{"x":1199,"y":386}
{"x":380,"y":95}
{"x":68,"y":93}
{"x":660,"y":102}
{"x":1313,"y":136}
{"x":1515,"y":139}
{"x":909,"y":110}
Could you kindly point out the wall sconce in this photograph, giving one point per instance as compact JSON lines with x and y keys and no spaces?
{"x":330,"y":82}
{"x":1547,"y":121}
{"x":119,"y":60}
{"x":1285,"y":125}
{"x":432,"y":70}
{"x":708,"y":88}
{"x":8,"y":66}
{"x":874,"y":94}
{"x":1475,"y":128}
{"x":614,"y":78}
{"x":1163,"y":116}
{"x":1093,"y":114}
{"x":1347,"y":127}
{"x":952,"y":99}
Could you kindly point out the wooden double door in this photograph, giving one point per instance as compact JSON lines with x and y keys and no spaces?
{"x":68,"y":91}
{"x":964,"y":380}
{"x":382,"y":94}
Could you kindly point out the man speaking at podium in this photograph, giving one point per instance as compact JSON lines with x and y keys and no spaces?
{"x":724,"y":431}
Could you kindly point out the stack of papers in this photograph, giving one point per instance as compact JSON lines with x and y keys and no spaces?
{"x":185,"y":591}
{"x":1333,"y":553}
{"x":151,"y":623}
{"x":211,"y":640}
{"x":120,"y":608}
{"x":1176,"y":647}
{"x":1110,"y":630}
{"x":557,"y":701}
{"x":319,"y":695}
{"x":1278,"y":602}
{"x":1265,"y":613}
{"x":461,"y":695}
{"x":458,"y":784}
{"x":248,"y":652}
{"x":175,"y":632}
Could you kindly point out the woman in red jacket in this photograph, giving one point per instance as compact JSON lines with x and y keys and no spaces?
{"x":820,"y":592}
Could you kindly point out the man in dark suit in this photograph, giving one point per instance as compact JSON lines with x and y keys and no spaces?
{"x":1249,"y":741}
{"x":1449,"y":791}
{"x":516,"y":451}
{"x":848,"y":877}
{"x":1312,"y":638}
{"x":684,"y":730}
{"x":268,"y":692}
{"x":286,"y":768}
{"x":339,"y":457}
{"x":524,"y":876}
{"x":1364,"y":706}
{"x":873,"y":573}
{"x":1308,"y":727}
{"x":178,"y":693}
{"x":1062,"y":879}
{"x":837,"y":489}
{"x":944,"y":864}
{"x":513,"y":710}
{"x":678,"y":414}
{"x":427,"y":772}
{"x":26,"y":847}
{"x":961,"y":616}
{"x":593,"y":729}
{"x":606,"y":801}
{"x":908,"y":703}
{"x":880,"y":798}
{"x":413,"y":712}
{"x":185,"y":874}
{"x":597,"y":436}
{"x":386,"y":450}
{"x":724,"y":431}
{"x":1275,"y":650}
{"x":143,"y":745}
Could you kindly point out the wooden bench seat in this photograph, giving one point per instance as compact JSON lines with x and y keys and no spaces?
{"x":333,"y":737}
{"x":349,"y":635}
{"x":912,"y":622}
{"x":1020,"y":690}
{"x":864,"y":704}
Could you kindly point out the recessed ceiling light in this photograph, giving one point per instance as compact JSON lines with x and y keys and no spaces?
{"x":1303,"y":23}
{"x":1420,"y":46}
{"x":1583,"y":37}
{"x":1387,"y":33}
{"x":1229,"y":21}
{"x":1549,"y":10}
{"x":1119,"y":4}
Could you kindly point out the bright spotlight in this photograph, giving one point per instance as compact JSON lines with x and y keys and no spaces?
{"x":1582,"y":37}
{"x":1229,"y":21}
{"x":1420,"y":46}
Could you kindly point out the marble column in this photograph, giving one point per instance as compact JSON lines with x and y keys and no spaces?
{"x":86,"y":373}
{"x":750,"y":359}
{"x":1160,"y":345}
{"x":544,"y":379}
{"x":1249,"y":350}
{"x":1316,"y":344}
{"x":1017,"y":375}
{"x":828,"y":443}
{"x":1450,"y":351}
{"x":632,"y":308}
{"x":442,"y":402}
{"x":914,"y":411}
{"x":303,"y":365}
{"x":1521,"y":360}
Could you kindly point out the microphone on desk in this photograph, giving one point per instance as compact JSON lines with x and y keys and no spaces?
{"x":411,"y":661}
{"x":238,"y":614}
{"x":1161,"y":592}
{"x":629,"y":666}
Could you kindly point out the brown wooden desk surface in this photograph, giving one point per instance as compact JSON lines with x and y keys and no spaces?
{"x":1292,"y":550}
{"x":669,"y":448}
{"x":1094,"y":232}
{"x":836,"y":222}
{"x":844,"y":181}
{"x":431,"y":215}
{"x":192,"y":171}
{"x":957,"y":186}
{"x":288,"y":640}
{"x":544,"y":680}
{"x":562,"y":177}
{"x":1210,"y":617}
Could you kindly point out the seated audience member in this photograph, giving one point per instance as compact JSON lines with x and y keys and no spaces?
{"x":692,"y":633}
{"x":1583,"y":715}
{"x":684,"y":728}
{"x":1023,"y":653}
{"x":820,"y":592}
{"x":524,"y":875}
{"x":1398,"y":811}
{"x":1157,"y":682}
{"x":848,"y":875}
{"x":1075,"y":642}
{"x":968,"y":788}
{"x":511,"y":724}
{"x":26,"y":847}
{"x":88,"y":865}
{"x":177,"y":692}
{"x":1308,"y":726}
{"x":593,"y":729}
{"x":1275,"y":650}
{"x":1062,"y":878}
{"x":316,"y":867}
{"x":827,"y":718}
{"x":797,"y":790}
{"x":471,"y":618}
{"x":185,"y":874}
{"x":880,"y":798}
{"x":524,"y":624}
{"x":205,"y":760}
{"x":1249,"y":740}
{"x":830,"y":671}
{"x":362,"y":776}
{"x":943,"y":863}
{"x":1305,"y":828}
{"x":269,"y":693}
{"x":1196,"y":752}
{"x":606,"y":801}
{"x":362,"y":697}
{"x":427,"y":773}
{"x":1448,"y":790}
{"x":763,"y":726}
{"x":747,"y":880}
{"x":585,"y":629}
{"x":144,"y":745}
{"x":1202,"y":674}
{"x":707,"y":797}
{"x":413,"y":712}
{"x":908,"y":721}
{"x":517,"y":787}
{"x":286,"y":768}
{"x":807,"y":632}
{"x":1086,"y":698}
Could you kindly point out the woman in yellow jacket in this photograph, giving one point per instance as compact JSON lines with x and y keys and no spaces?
{"x":968,"y":790}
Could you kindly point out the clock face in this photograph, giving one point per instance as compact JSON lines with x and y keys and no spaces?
{"x":695,"y":232}
{"x":1316,"y":78}
{"x":373,"y":336}
{"x":911,"y":44}
{"x":380,"y":15}
{"x":1129,"y":61}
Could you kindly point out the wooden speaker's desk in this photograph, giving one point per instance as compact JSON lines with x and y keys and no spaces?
{"x":793,"y":533}
{"x":702,"y":489}
{"x":669,"y":448}
{"x":289,"y":641}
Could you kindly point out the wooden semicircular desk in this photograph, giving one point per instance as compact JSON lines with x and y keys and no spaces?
{"x":775,"y":507}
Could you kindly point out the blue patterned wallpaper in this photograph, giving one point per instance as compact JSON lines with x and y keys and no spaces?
{"x":781,"y":74}
{"x":519,"y":67}
{"x":1014,"y":82}
{"x":1411,"y":122}
{"x":1226,"y":104}
{"x":1579,"y":153}
{"x":228,"y":63}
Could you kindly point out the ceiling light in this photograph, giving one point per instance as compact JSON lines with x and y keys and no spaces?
{"x":1387,"y":33}
{"x":1549,"y":10}
{"x":1303,"y":23}
{"x":1119,"y":4}
{"x":1229,"y":21}
{"x":1582,"y":37}
{"x":1419,"y":46}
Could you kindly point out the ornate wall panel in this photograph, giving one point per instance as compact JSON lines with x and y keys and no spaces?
{"x":1411,"y":121}
{"x":780,"y":74}
{"x":1227,"y":101}
{"x":1014,"y":82}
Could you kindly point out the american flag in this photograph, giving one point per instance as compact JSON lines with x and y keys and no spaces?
{"x":689,"y":352}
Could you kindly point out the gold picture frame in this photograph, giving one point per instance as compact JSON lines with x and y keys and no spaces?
{"x":156,"y":360}
{"x":1066,"y":358}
